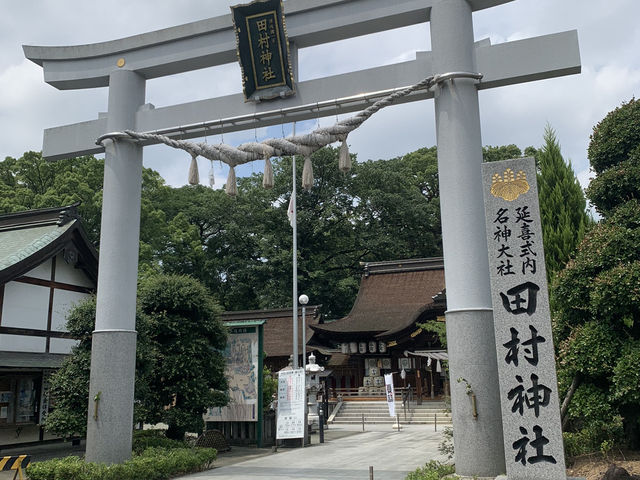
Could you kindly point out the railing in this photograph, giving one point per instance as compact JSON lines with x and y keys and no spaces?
{"x":372,"y":392}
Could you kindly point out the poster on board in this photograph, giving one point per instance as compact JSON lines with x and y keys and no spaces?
{"x":242,"y":371}
{"x":290,"y":418}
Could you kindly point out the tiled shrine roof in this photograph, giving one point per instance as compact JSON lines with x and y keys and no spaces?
{"x":278,"y":329}
{"x":392,"y":296}
{"x":29,"y":238}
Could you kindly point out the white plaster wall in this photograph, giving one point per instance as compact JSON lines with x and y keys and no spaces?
{"x":63,"y":301}
{"x":22,"y":343}
{"x":42,"y":271}
{"x":25,"y":306}
{"x":66,"y":273}
{"x":61,"y":345}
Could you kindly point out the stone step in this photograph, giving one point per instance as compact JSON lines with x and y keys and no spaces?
{"x":380,"y":411}
{"x":389,"y":421}
{"x":384,"y":412}
{"x":398,"y":402}
{"x":381,"y":417}
{"x":377,"y":412}
{"x":398,"y":407}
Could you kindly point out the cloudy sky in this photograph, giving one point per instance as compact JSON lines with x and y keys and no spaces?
{"x":608,"y":33}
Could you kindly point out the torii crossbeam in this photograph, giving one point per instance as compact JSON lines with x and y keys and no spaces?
{"x":124,"y":66}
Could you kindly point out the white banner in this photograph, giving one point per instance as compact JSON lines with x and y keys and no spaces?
{"x":391,"y":396}
{"x":290,"y":419}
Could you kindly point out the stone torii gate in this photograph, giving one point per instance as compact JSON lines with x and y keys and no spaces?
{"x":124,"y":66}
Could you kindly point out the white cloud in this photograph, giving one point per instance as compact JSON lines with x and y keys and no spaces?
{"x":615,"y":81}
{"x":608,"y":34}
{"x":585,"y":177}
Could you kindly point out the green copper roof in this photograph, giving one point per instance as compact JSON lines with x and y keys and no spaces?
{"x":16,"y":245}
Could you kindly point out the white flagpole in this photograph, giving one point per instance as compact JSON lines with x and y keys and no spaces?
{"x":294,"y":224}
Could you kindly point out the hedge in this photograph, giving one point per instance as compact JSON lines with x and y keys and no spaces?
{"x":143,"y":439}
{"x":152,"y":464}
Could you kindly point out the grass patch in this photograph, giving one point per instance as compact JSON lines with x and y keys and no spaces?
{"x":431,"y":471}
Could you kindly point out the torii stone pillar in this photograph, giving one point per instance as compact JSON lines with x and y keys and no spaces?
{"x":469,"y":318}
{"x":112,"y":376}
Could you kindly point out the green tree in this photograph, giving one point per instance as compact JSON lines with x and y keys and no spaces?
{"x":70,"y":384}
{"x":179,"y":359}
{"x":188,"y":340}
{"x":269,"y":388}
{"x":562,"y":205}
{"x":597,"y":296}
{"x":30,"y":182}
{"x":503,"y":152}
{"x":381,"y":210}
{"x":614,"y":152}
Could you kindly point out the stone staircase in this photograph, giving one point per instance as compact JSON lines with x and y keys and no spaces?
{"x":428,"y":413}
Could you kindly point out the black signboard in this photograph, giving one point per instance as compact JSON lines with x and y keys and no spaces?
{"x":263,"y":50}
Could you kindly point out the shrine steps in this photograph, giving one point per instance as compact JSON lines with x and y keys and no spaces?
{"x":378,"y":412}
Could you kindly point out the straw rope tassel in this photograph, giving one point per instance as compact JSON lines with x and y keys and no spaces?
{"x":267,"y":177}
{"x":212,"y":175}
{"x":194,"y":176}
{"x":344,"y":160}
{"x":303,"y":145}
{"x":307,"y":174}
{"x":231,"y":188}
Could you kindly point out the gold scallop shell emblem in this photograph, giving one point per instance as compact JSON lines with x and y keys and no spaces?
{"x":509,"y":186}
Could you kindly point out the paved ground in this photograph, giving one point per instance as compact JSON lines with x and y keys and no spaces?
{"x":47,"y":451}
{"x":346,"y":455}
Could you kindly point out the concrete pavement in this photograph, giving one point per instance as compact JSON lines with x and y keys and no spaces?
{"x":346,"y":455}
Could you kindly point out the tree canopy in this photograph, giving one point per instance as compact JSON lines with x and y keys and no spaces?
{"x":240,"y":247}
{"x":562,"y":204}
{"x":179,"y":359}
{"x":614,"y":152}
{"x":188,"y":341}
{"x":597,"y":296}
{"x":30,"y":182}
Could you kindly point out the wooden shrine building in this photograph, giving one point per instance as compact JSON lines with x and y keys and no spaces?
{"x":47,"y":265}
{"x":382,"y":332}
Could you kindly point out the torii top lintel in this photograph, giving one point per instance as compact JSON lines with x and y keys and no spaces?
{"x":309,"y":22}
{"x":211,"y":42}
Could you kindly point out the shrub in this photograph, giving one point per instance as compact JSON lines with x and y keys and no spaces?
{"x":594,"y":437}
{"x":143,"y":439}
{"x":445,"y":447}
{"x":152,"y":464}
{"x":615,"y":137}
{"x":431,"y":471}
